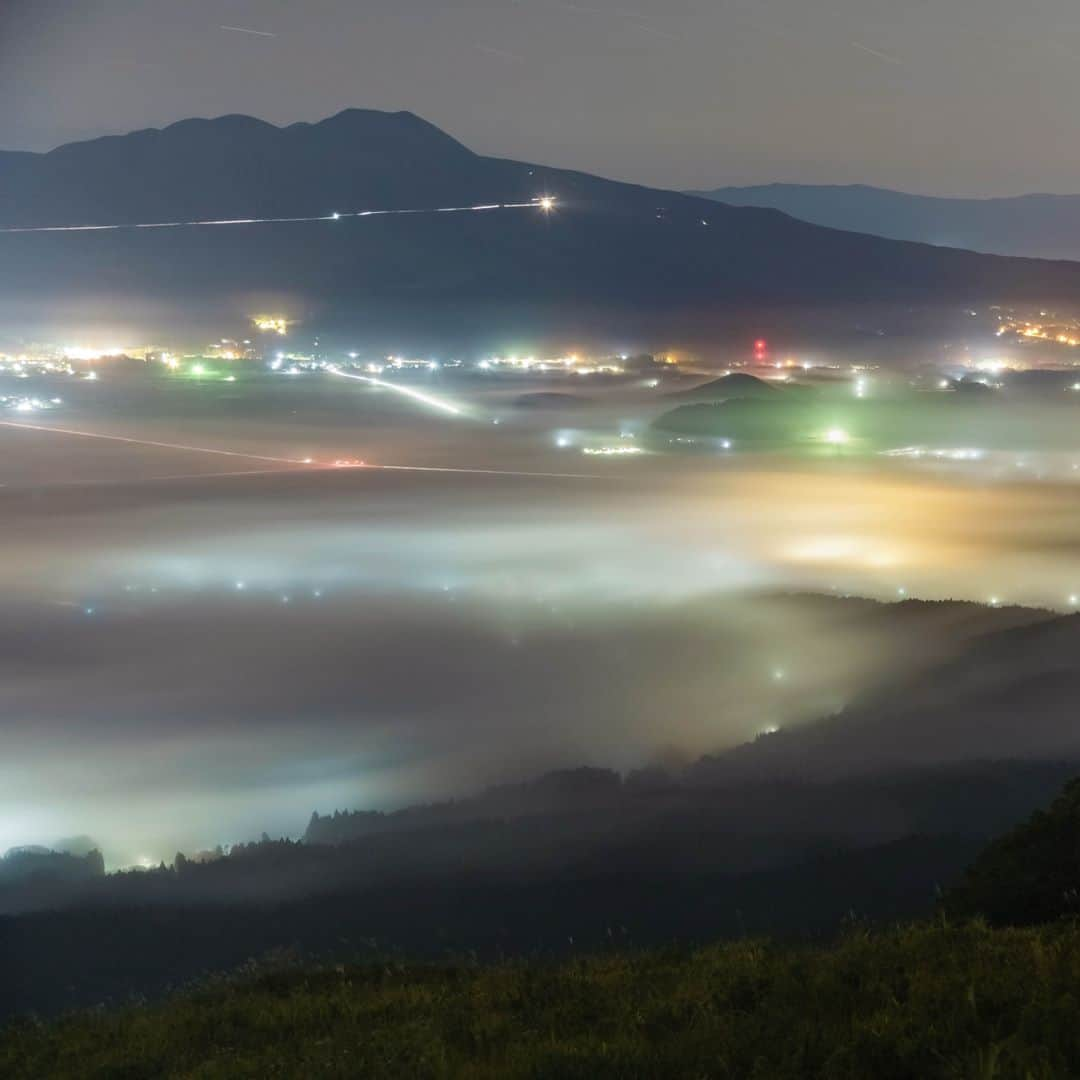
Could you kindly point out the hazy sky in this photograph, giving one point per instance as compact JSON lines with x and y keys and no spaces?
{"x":941,"y":96}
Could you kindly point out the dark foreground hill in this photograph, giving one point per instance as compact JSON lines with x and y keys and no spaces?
{"x":1031,"y":874}
{"x":1037,"y":226}
{"x":874,"y":810}
{"x":931,"y":1001}
{"x":629,"y":259}
{"x":734,"y":386}
{"x":794,"y":862}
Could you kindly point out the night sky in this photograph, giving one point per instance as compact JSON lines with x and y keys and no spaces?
{"x":973,"y":97}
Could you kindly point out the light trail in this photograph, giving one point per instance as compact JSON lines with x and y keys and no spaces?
{"x":323,"y":467}
{"x":544,"y":203}
{"x":247,"y":30}
{"x":152,"y":442}
{"x":875,"y":52}
{"x":416,"y":395}
{"x":308,"y":463}
{"x":488,"y":472}
{"x":170,"y":477}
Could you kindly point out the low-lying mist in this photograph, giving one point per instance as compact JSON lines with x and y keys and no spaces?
{"x":191,"y":659}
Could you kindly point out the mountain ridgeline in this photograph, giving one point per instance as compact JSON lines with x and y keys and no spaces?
{"x":1033,"y":226}
{"x":652,"y":260}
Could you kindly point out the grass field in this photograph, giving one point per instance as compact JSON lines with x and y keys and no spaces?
{"x":929,"y":1000}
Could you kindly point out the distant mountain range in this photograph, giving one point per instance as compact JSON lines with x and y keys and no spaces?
{"x":1034,"y":226}
{"x":612,"y":255}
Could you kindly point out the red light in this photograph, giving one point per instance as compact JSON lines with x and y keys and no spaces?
{"x":760,"y":345}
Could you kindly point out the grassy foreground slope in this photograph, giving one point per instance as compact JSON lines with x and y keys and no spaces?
{"x":932,"y":1000}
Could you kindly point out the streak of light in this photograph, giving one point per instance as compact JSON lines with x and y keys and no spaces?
{"x":311,"y":466}
{"x":602,"y":12}
{"x":232,"y":473}
{"x":362,"y":466}
{"x":503,"y":54}
{"x":546,"y":204}
{"x":489,"y":472}
{"x":151,"y":442}
{"x":874,"y":52}
{"x":246,"y":30}
{"x":416,"y":395}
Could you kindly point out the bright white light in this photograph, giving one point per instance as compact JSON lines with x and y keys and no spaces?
{"x":408,"y":391}
{"x":836,"y":436}
{"x":82,"y":352}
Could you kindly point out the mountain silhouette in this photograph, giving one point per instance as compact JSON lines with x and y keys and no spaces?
{"x":1035,"y":226}
{"x":611,"y":255}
